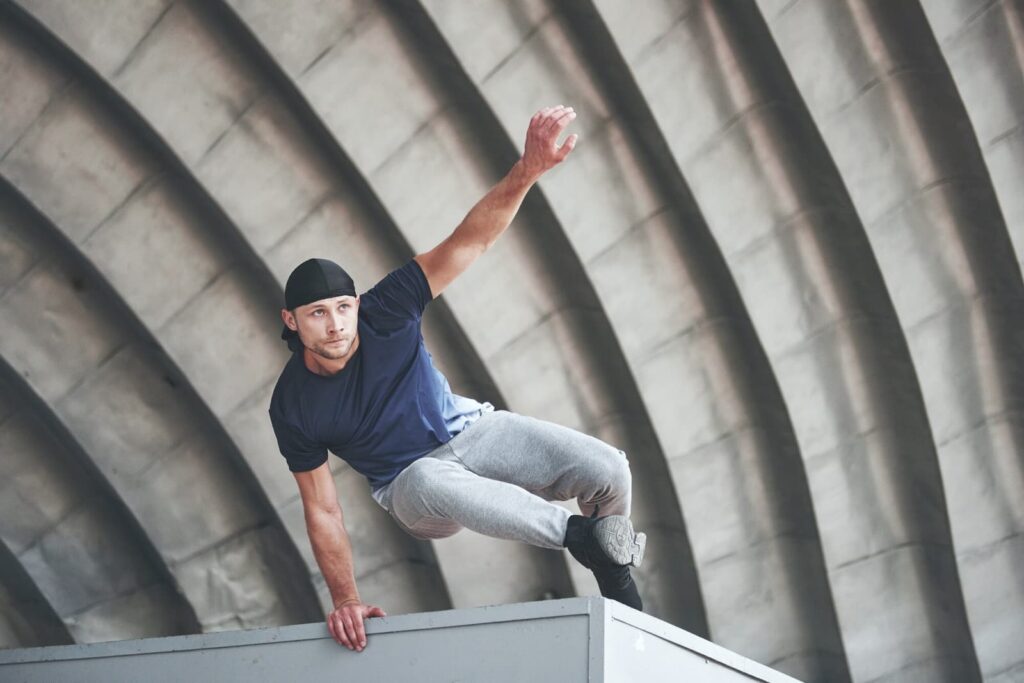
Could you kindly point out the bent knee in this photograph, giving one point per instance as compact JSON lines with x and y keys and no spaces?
{"x":615,"y":470}
{"x":623,"y":474}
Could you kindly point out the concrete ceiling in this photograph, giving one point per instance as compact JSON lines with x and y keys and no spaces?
{"x":781,"y":271}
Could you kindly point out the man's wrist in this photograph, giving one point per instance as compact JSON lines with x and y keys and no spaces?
{"x":344,"y":601}
{"x":524,"y":175}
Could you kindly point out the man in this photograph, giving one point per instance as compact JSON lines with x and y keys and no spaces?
{"x":361,"y":384}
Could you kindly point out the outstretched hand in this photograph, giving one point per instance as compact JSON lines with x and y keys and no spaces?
{"x":346,"y":623}
{"x":542,"y":153}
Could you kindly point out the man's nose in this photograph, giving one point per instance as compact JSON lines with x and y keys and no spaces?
{"x":336,"y":321}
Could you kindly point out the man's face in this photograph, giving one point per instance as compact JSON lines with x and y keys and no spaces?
{"x":327,"y":327}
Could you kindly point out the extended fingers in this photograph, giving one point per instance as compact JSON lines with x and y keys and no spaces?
{"x":558,"y":119}
{"x":539,"y":120}
{"x":542,"y":151}
{"x":548,"y":117}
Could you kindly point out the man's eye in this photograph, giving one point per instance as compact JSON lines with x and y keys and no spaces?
{"x":317,"y":312}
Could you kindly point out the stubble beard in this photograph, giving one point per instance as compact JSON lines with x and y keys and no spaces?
{"x":330,"y":352}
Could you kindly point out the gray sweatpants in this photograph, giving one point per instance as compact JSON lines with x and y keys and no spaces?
{"x":496,"y":476}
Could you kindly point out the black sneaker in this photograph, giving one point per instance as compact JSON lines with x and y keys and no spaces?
{"x":604,"y":542}
{"x":616,"y":583}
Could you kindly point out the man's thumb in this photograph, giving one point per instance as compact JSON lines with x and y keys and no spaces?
{"x":375,"y":612}
{"x":568,"y":145}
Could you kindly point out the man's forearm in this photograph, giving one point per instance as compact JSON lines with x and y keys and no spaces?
{"x":333,"y":554}
{"x":491,"y":215}
{"x":494,"y":213}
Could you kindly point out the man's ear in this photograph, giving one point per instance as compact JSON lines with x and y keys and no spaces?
{"x":289,"y":320}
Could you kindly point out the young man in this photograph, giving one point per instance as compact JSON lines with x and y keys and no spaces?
{"x":361,"y":384}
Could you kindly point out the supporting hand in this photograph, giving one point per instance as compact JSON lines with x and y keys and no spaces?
{"x":346,"y":623}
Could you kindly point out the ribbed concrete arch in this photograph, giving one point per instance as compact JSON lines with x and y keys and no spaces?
{"x":684,"y":331}
{"x":983,"y":44}
{"x":26,"y":618}
{"x":194,"y":168}
{"x":70,"y":161}
{"x":87,"y":556}
{"x":138,"y":421}
{"x":238,"y":391}
{"x":776,"y":205}
{"x":887,"y":106}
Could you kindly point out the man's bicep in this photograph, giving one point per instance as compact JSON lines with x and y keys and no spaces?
{"x":317,"y":489}
{"x":445,"y":262}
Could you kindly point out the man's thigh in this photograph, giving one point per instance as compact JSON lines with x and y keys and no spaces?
{"x":413,"y":498}
{"x":540,"y":456}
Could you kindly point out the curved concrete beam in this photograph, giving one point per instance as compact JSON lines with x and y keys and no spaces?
{"x":135,"y":416}
{"x":983,"y":44}
{"x":26,"y":617}
{"x":775,"y":203}
{"x":84,"y":551}
{"x":236,"y":392}
{"x":628,"y":214}
{"x":876,"y":83}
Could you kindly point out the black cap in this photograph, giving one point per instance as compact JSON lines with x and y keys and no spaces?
{"x":311,"y":281}
{"x":316,"y":279}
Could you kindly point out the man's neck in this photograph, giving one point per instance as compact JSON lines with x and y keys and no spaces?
{"x":328,"y":367}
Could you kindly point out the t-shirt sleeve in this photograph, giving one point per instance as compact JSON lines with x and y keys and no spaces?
{"x":302,"y":453}
{"x":403,"y":293}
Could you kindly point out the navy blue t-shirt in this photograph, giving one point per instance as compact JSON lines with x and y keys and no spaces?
{"x":388,"y":407}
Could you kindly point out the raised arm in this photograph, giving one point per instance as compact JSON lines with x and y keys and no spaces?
{"x":491,"y":215}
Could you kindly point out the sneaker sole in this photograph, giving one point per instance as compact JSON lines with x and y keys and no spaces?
{"x":619,"y":541}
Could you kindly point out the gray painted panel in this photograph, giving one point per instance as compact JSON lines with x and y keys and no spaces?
{"x":579,"y":639}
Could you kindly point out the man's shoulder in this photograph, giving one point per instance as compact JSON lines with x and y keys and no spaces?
{"x":401,"y":295}
{"x":287,"y":386}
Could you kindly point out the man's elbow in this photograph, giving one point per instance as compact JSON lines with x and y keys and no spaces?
{"x":320,"y":515}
